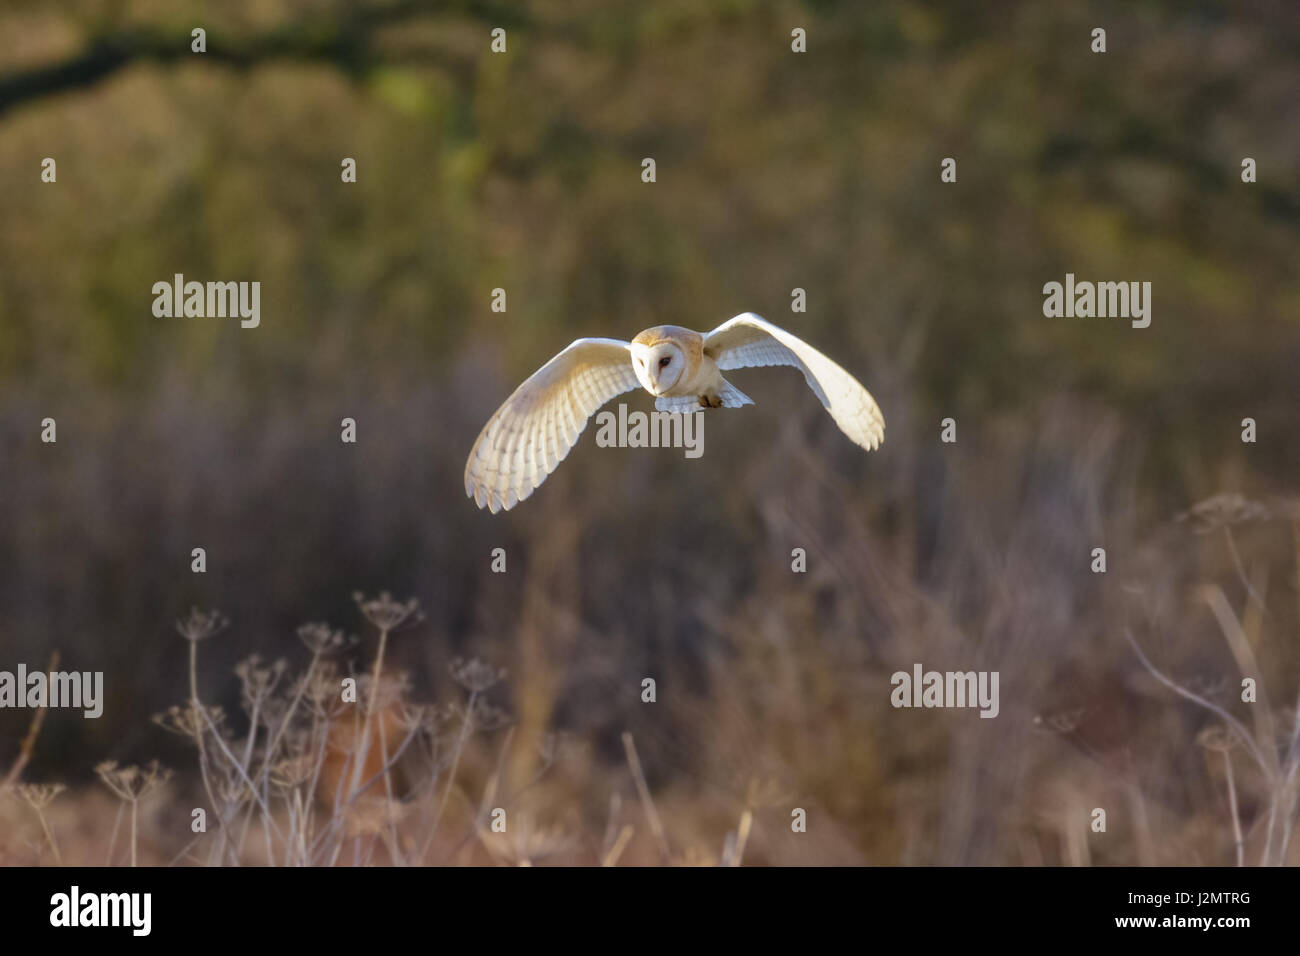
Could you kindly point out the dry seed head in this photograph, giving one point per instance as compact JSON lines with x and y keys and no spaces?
{"x":185,"y":719}
{"x":1217,"y":737}
{"x":291,"y":773}
{"x":440,"y":719}
{"x":274,"y":711}
{"x":323,"y":691}
{"x":38,"y":795}
{"x":387,"y":614}
{"x":321,"y":639}
{"x":297,"y":741}
{"x":413,"y":717}
{"x":475,"y":675}
{"x":200,"y":625}
{"x":1223,"y":510}
{"x":132,"y":783}
{"x":256,"y":678}
{"x":230,"y":787}
{"x":486,"y":717}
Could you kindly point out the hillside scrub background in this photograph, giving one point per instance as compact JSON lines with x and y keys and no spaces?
{"x":775,"y":170}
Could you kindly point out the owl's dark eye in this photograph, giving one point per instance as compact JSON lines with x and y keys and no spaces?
{"x":664,"y":362}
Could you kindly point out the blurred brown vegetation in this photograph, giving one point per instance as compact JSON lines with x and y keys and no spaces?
{"x":775,"y":170}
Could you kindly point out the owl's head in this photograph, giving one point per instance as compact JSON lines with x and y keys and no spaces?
{"x":659,"y":365}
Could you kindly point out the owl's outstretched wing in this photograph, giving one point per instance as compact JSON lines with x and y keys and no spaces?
{"x":748,"y":340}
{"x":532,"y":432}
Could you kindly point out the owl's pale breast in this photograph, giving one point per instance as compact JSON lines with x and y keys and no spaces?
{"x":701,"y":377}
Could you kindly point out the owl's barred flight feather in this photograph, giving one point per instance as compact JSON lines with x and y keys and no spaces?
{"x":749,"y":341}
{"x":534,"y":430}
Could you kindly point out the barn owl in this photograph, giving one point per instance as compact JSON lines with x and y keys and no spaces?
{"x":533,"y":431}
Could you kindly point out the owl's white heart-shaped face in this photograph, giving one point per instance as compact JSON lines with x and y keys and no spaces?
{"x":658,"y":367}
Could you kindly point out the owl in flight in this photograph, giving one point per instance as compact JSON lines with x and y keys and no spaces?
{"x":533,"y":431}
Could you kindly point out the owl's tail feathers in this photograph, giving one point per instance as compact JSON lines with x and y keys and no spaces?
{"x":679,"y":403}
{"x":730,"y":396}
{"x":733,"y":397}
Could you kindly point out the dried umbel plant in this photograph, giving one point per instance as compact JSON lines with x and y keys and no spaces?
{"x":440,"y":720}
{"x":274,"y":715}
{"x":185,"y":721}
{"x":257,"y":680}
{"x":1220,"y":738}
{"x":475,"y":675}
{"x":389,"y":615}
{"x":38,"y":796}
{"x":321,"y":691}
{"x":371,"y":816}
{"x":131,"y":785}
{"x":293,"y":772}
{"x":1217,"y":738}
{"x":485,"y":717}
{"x":201,"y":625}
{"x":197,"y":627}
{"x":189,"y":721}
{"x":1224,"y":510}
{"x":414,"y":718}
{"x":1264,"y":744}
{"x":229,"y":786}
{"x":322,"y":640}
{"x":307,"y":751}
